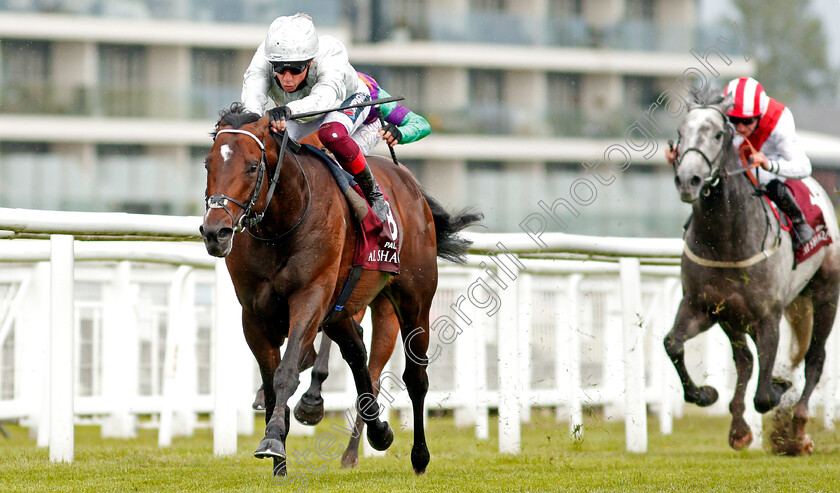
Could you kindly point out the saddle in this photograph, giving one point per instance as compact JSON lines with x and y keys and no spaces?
{"x":377,"y":245}
{"x":813,"y":215}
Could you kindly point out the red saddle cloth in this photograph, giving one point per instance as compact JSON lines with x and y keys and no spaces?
{"x":814,"y":216}
{"x":378,"y":245}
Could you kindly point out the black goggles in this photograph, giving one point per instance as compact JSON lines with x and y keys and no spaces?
{"x":294,"y":68}
{"x":742,"y":121}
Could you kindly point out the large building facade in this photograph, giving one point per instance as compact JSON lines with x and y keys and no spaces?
{"x":109,"y":105}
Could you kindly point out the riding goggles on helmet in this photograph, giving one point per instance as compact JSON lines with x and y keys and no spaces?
{"x":294,"y":68}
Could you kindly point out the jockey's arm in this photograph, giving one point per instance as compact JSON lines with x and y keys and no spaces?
{"x":256,"y":83}
{"x":412,"y":126}
{"x":786,"y":157}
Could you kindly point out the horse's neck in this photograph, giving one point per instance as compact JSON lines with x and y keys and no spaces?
{"x":288,"y":203}
{"x":731,"y":222}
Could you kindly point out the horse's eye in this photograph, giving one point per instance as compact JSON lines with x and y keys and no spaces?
{"x":253,"y":167}
{"x":719,"y":136}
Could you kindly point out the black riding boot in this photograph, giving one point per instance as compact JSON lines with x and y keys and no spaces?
{"x":374,"y":195}
{"x":782,"y":196}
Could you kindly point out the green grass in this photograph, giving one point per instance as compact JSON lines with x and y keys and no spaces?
{"x":695,"y":457}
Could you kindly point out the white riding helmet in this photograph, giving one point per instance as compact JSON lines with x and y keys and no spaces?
{"x":291,"y":39}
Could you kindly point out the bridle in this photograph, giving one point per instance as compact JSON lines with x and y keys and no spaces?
{"x":247,"y":221}
{"x":713,"y":179}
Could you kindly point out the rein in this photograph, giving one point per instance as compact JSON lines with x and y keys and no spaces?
{"x":219,"y":201}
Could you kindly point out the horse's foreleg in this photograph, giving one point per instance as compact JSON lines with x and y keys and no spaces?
{"x":384,"y":337}
{"x":310,"y":409}
{"x":689,"y":323}
{"x":268,"y":358}
{"x":740,"y":435}
{"x":768,"y":392}
{"x":304,"y":317}
{"x":349,"y":340}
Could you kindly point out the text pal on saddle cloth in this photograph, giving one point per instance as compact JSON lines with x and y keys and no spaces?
{"x":303,"y":72}
{"x":769,"y":127}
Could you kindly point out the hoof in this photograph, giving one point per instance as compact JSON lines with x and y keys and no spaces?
{"x":742,"y":442}
{"x":308,"y":413}
{"x":270,"y":447}
{"x":380,"y":436}
{"x":806,"y":446}
{"x":419,"y":460}
{"x":349,"y":460}
{"x":704,"y":396}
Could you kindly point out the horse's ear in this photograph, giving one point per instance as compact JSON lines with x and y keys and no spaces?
{"x":726,"y":104}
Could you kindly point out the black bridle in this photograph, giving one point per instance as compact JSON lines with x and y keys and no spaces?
{"x":247,"y":221}
{"x":714,"y":177}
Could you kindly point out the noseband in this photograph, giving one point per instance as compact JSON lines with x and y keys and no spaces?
{"x":714,"y":177}
{"x":220,"y":201}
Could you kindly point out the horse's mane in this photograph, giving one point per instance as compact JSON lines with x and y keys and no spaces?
{"x":707,"y":96}
{"x":235,"y":116}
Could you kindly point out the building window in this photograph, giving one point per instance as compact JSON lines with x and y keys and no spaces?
{"x":122,"y":80}
{"x":564,"y":104}
{"x":25,"y":76}
{"x":215,"y":83}
{"x":487,"y":113}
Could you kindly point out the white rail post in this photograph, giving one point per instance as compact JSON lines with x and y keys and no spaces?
{"x":525,"y":306}
{"x":507,"y":342}
{"x":227,"y":323}
{"x":62,"y":349}
{"x":635,"y":421}
{"x":482,"y":413}
{"x":119,"y":367}
{"x":174,"y":328}
{"x":568,"y":349}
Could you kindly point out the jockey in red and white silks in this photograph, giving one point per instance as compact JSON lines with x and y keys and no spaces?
{"x":776,"y":132}
{"x":769,"y":127}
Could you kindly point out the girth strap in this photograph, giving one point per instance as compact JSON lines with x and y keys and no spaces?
{"x":352,"y":279}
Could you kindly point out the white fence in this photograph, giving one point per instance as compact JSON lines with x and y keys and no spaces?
{"x":150,"y":339}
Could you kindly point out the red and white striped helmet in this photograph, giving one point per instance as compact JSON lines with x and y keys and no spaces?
{"x":750,"y":98}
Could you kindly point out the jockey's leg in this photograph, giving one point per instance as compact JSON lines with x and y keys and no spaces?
{"x":782,"y":196}
{"x":348,"y":154}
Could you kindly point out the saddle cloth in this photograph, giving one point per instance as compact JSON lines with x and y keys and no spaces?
{"x":814,"y":216}
{"x":377,"y":245}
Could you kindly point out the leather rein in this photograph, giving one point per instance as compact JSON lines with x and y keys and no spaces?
{"x":249,"y":221}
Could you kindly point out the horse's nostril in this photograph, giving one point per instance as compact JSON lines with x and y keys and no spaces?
{"x":696,"y":181}
{"x":201,"y":230}
{"x":224,"y":234}
{"x":677,"y":181}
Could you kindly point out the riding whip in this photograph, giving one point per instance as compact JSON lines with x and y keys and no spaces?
{"x":355,"y":105}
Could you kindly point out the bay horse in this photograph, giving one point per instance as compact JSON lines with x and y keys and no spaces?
{"x":738,"y":271}
{"x":289,"y":270}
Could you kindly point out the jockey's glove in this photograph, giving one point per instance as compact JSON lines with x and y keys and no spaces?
{"x":280,"y":113}
{"x":394,"y":131}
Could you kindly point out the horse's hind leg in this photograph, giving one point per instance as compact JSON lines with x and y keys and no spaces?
{"x":689,"y":323}
{"x":384,"y":337}
{"x":415,"y":333}
{"x":740,"y":435}
{"x":349,"y":340}
{"x":824,"y":294}
{"x":310,"y":409}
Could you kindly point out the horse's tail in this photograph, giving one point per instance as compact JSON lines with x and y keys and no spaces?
{"x":450,"y":245}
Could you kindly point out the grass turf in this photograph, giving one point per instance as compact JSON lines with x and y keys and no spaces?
{"x":695,"y":457}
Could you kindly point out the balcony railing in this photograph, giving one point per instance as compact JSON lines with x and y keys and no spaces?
{"x":326,"y":13}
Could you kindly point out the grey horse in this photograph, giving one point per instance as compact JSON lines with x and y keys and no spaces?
{"x":738,"y":271}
